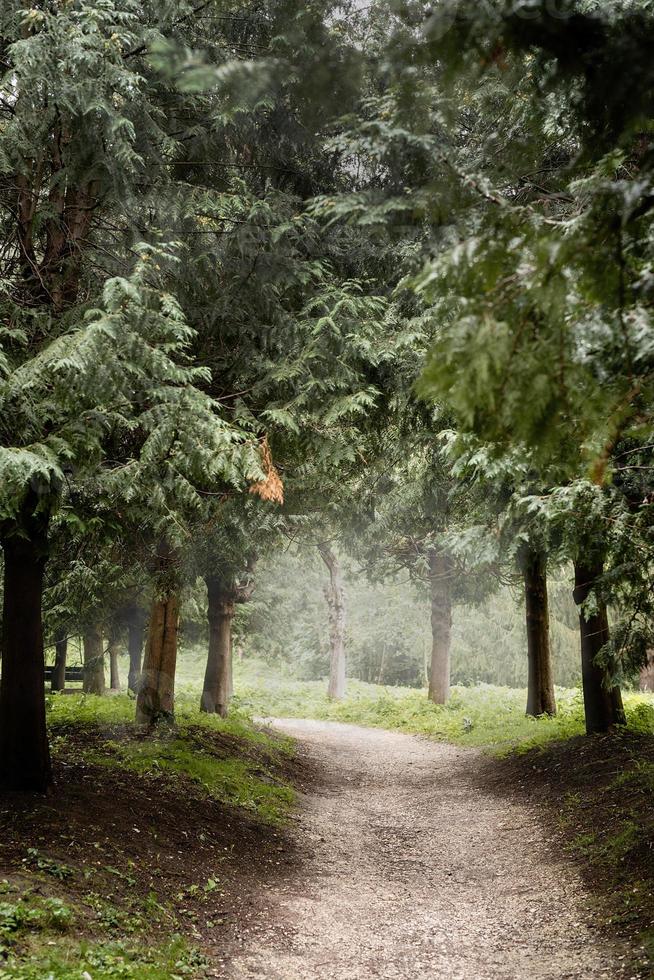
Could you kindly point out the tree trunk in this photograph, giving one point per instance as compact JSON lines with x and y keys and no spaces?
{"x":156,"y":695}
{"x":647,"y":674}
{"x":94,"y":682}
{"x":602,"y":704}
{"x":217,"y":688}
{"x":440,"y":580}
{"x":24,"y":751}
{"x":336,"y":605}
{"x":540,"y":684}
{"x":135,"y":636}
{"x":58,"y":682}
{"x":114,"y":652}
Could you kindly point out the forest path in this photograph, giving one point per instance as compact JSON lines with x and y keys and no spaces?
{"x":412,"y":870}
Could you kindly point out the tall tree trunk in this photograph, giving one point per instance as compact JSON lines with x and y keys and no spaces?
{"x":94,"y":682}
{"x":155,"y":701}
{"x":602,"y":704}
{"x":540,"y":684}
{"x":337,"y":609}
{"x":58,"y":682}
{"x":114,"y":652}
{"x":647,"y":673}
{"x":24,"y":751}
{"x":440,"y":580}
{"x":135,"y":638}
{"x":217,"y":688}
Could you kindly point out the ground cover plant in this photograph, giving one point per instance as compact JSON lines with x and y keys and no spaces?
{"x":131,"y":871}
{"x":484,"y":716}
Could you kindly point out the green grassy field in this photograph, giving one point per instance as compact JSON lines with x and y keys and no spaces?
{"x":483,"y":716}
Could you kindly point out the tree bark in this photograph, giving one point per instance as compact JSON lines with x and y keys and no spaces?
{"x":647,"y":674}
{"x":24,"y":752}
{"x":58,"y":682}
{"x":440,"y":580}
{"x":337,"y":609}
{"x":155,"y":701}
{"x":217,"y":688}
{"x":540,"y":683}
{"x":135,"y":637}
{"x":94,"y":682}
{"x":114,"y":652}
{"x":602,"y":703}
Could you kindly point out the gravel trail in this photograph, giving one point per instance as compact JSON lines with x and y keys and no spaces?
{"x":412,"y":871}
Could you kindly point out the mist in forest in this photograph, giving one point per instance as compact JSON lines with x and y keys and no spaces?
{"x":389,"y":639}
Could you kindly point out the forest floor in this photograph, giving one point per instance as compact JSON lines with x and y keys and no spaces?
{"x":418,"y":861}
{"x":218,"y":849}
{"x":147,"y":849}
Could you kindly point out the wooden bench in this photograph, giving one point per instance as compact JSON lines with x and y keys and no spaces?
{"x":72,"y":673}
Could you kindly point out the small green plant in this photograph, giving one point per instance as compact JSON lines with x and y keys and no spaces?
{"x":174,"y":960}
{"x":53,"y":868}
{"x":29,"y":915}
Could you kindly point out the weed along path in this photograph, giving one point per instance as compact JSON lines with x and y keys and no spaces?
{"x":410,"y":869}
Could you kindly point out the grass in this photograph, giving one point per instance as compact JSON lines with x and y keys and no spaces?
{"x":186,"y":751}
{"x":483,"y":716}
{"x":38,"y":941}
{"x":609,"y":823}
{"x":64,"y":920}
{"x":237,"y":763}
{"x":81,"y":709}
{"x":73,"y":960}
{"x":237,"y":782}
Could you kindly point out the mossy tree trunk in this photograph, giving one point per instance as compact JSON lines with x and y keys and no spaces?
{"x":94,"y":680}
{"x":602,"y":701}
{"x":440,"y":583}
{"x":540,"y":684}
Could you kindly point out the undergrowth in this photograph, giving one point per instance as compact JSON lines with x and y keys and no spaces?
{"x":243,"y":780}
{"x":238,"y":782}
{"x":483,"y":716}
{"x":39,"y":940}
{"x":60,"y":920}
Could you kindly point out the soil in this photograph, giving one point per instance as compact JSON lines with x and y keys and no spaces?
{"x":132,"y":840}
{"x":413,"y":866}
{"x":598,"y":793}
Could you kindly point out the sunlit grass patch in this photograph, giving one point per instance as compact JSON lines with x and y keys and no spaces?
{"x":232,"y":759}
{"x":482,"y":716}
{"x":119,"y":709}
{"x":237,"y":782}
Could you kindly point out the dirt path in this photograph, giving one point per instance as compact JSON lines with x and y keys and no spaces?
{"x":412,"y":871}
